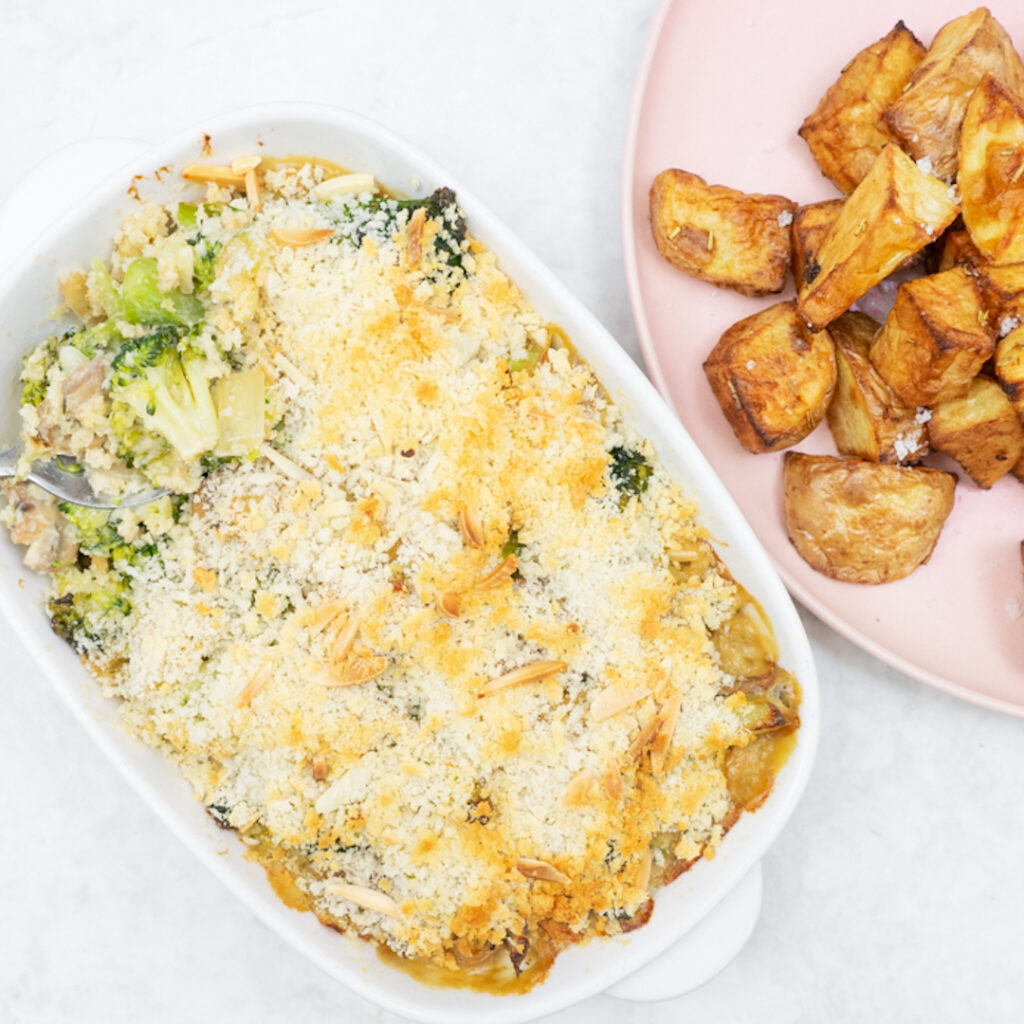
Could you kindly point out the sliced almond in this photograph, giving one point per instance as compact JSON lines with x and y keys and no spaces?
{"x":344,"y":184}
{"x":612,"y":701}
{"x":611,"y":781}
{"x":501,"y":572}
{"x":252,"y":192}
{"x":645,"y":738}
{"x":343,"y":641}
{"x":359,"y":670}
{"x":215,"y":173}
{"x":470,"y":528}
{"x":449,"y":604}
{"x":256,"y":683}
{"x":369,"y":898}
{"x":415,"y":234}
{"x":316,"y":619}
{"x":320,"y":768}
{"x":524,"y":674}
{"x":662,"y":742}
{"x":291,"y":371}
{"x":290,"y":469}
{"x":580,"y":790}
{"x":541,"y":870}
{"x":244,"y":164}
{"x":644,"y":879}
{"x":299,"y":237}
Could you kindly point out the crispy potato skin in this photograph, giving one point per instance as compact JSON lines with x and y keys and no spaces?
{"x":892,"y":214}
{"x":720,"y":235}
{"x":846,"y":131}
{"x":936,"y":338}
{"x":1002,"y":292}
{"x":811,"y":225}
{"x":772,"y":377}
{"x":991,"y":175}
{"x":866,"y":417}
{"x":927,"y":117}
{"x":957,"y":250}
{"x":981,"y":431}
{"x":864,"y":522}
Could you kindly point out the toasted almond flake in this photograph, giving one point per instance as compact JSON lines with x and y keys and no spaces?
{"x":76,"y":294}
{"x":256,"y":683}
{"x":244,"y":164}
{"x":315,"y":619}
{"x":344,"y":184}
{"x":541,"y":870}
{"x":320,"y":768}
{"x":449,"y":604}
{"x":215,"y":173}
{"x":283,"y":463}
{"x":470,"y":528}
{"x":369,"y":898}
{"x":249,"y":822}
{"x":292,"y":372}
{"x":298,"y":237}
{"x":359,"y":670}
{"x":580,"y":790}
{"x":498,"y":574}
{"x":644,"y":879}
{"x":343,"y":641}
{"x":644,"y":739}
{"x":611,"y":780}
{"x":252,"y":191}
{"x":611,"y":701}
{"x":681,"y":555}
{"x":524,"y":674}
{"x":662,"y":743}
{"x":416,"y":222}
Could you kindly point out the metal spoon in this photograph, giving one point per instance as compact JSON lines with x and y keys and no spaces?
{"x":65,"y":479}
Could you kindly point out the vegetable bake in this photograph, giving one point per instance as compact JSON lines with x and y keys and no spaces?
{"x":421,"y":617}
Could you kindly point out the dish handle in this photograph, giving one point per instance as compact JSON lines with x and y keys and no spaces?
{"x":55,"y":185}
{"x":702,"y":952}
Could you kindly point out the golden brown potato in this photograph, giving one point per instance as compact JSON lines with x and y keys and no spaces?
{"x":926,"y":118}
{"x":1009,"y":368}
{"x":957,"y":250}
{"x":811,"y":225}
{"x":772,"y":377}
{"x":864,"y":522}
{"x":991,"y":172}
{"x":866,"y":417}
{"x":982,"y":431}
{"x":935,"y":339}
{"x":846,"y":132}
{"x":1002,"y":292}
{"x":893,"y":213}
{"x":720,"y":235}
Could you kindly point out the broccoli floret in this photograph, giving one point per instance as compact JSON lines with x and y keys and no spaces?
{"x":140,"y":300}
{"x":98,"y":533}
{"x":204,"y":262}
{"x":89,"y":607}
{"x":630,"y":472}
{"x":164,"y":380}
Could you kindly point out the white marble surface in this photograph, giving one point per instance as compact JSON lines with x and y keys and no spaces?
{"x":897,"y":891}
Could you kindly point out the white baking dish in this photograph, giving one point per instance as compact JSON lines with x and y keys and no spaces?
{"x":28,"y":291}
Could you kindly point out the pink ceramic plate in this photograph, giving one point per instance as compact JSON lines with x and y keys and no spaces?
{"x":721,"y":92}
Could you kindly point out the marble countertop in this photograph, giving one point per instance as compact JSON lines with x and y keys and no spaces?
{"x":895,"y":893}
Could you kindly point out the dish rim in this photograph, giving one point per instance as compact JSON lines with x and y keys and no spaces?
{"x":627,"y":376}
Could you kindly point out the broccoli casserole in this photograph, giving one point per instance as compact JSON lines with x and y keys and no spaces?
{"x":421,"y":617}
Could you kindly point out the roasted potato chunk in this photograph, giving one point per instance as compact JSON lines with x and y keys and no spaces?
{"x":927,"y":117}
{"x":811,"y":225}
{"x":935,"y":339}
{"x":866,"y":417}
{"x":893,"y":213}
{"x":1002,"y":292}
{"x":846,"y":132}
{"x":1009,"y":368}
{"x":991,"y":170}
{"x":958,"y":250}
{"x":721,"y":235}
{"x":772,"y":377}
{"x":864,"y":522}
{"x":982,"y":431}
